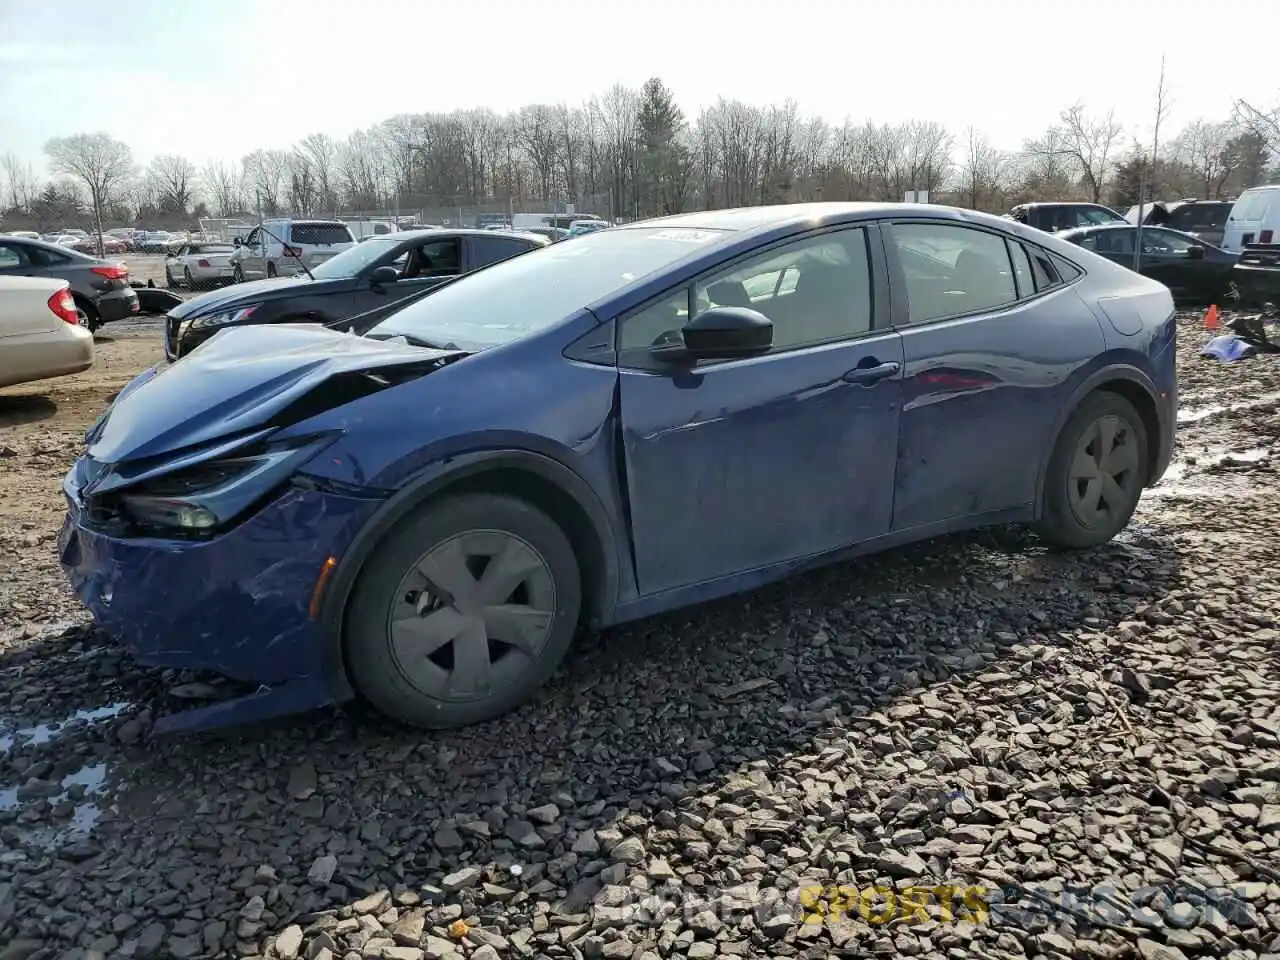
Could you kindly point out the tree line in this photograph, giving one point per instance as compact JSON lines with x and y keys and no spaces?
{"x":633,"y":153}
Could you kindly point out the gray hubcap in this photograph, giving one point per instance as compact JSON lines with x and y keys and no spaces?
{"x":471,"y":614}
{"x":1104,"y":472}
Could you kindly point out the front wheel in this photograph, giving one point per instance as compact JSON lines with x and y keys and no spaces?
{"x":463,"y":612}
{"x":1096,"y":473}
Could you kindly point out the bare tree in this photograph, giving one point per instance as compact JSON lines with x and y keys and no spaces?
{"x":21,"y":184}
{"x":1265,"y":123}
{"x":540,"y":136}
{"x":1091,"y":142}
{"x":982,"y":171}
{"x":173,"y":180}
{"x":102,"y":164}
{"x":224,"y":185}
{"x":266,"y":173}
{"x":1162,"y":108}
{"x":321,"y":153}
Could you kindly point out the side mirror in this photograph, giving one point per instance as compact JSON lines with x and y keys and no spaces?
{"x":384,"y":276}
{"x":1196,"y":252}
{"x":723,"y":333}
{"x":238,"y":242}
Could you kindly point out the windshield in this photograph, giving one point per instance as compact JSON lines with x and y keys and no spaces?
{"x":535,"y":290}
{"x":350,"y":262}
{"x":1191,"y":217}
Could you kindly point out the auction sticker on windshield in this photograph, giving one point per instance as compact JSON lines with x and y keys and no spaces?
{"x":685,"y":235}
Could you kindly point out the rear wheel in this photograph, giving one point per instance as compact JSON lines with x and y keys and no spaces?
{"x":463,"y":612}
{"x":93,"y":319}
{"x":1096,"y":473}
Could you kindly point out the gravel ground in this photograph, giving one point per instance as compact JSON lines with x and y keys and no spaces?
{"x":1089,"y":745}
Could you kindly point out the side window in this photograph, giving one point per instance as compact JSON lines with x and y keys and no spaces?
{"x":1089,"y":241}
{"x":11,"y":257}
{"x":1022,"y":269}
{"x":952,"y":270}
{"x":440,"y":258}
{"x":1162,"y":242}
{"x":1116,"y":242}
{"x":487,"y":250}
{"x":814,"y":290}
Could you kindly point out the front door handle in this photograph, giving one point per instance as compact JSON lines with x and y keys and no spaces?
{"x":873,"y":373}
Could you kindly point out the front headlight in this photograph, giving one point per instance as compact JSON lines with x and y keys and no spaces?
{"x":213,"y":493}
{"x":223,"y":317}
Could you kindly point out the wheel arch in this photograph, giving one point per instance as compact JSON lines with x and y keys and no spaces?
{"x":1127,"y":381}
{"x":535,"y":478}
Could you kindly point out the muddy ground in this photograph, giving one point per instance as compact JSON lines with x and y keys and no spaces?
{"x":1097,"y":734}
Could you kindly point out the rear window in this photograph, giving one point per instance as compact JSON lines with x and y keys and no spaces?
{"x":1252,"y":205}
{"x":1191,"y":217}
{"x":321,"y":233}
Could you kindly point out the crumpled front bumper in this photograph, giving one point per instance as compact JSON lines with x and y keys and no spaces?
{"x":237,"y":605}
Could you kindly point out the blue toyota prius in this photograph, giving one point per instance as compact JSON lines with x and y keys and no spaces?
{"x":651,"y":416}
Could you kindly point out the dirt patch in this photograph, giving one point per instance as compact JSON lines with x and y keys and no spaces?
{"x":42,"y":429}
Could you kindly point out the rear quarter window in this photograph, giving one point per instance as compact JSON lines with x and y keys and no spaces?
{"x":321,"y":233}
{"x":1194,"y":216}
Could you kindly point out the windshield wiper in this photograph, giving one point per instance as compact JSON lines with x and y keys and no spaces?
{"x":415,"y":340}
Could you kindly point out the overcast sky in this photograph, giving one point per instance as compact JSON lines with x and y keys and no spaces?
{"x":218,"y":80}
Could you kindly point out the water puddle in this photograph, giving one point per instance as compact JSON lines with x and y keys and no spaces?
{"x":45,"y":732}
{"x":1196,"y":414}
{"x":79,"y":788}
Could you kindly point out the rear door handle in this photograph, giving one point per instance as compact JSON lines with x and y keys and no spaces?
{"x":873,"y":374}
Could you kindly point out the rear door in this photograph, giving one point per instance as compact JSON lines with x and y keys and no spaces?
{"x":991,"y":334}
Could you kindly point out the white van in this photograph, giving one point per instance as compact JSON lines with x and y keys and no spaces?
{"x":278,"y":248}
{"x":1255,"y":218}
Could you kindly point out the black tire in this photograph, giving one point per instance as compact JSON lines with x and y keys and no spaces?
{"x":93,"y":319}
{"x":419,"y":686}
{"x":237,"y":275}
{"x":1091,"y":491}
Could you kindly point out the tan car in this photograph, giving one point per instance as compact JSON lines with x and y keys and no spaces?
{"x":42,"y":334}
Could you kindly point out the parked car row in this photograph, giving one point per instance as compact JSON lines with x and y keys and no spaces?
{"x":99,"y":288}
{"x":424,"y":502}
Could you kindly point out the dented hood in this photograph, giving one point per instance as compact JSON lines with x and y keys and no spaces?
{"x":237,"y":382}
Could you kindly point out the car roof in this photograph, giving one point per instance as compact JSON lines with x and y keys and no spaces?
{"x":456,"y":232}
{"x":1061,"y":203}
{"x":762,"y":219}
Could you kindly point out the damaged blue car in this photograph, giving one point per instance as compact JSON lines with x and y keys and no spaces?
{"x":649,"y":417}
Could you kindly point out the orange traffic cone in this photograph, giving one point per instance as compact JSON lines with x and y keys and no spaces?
{"x":1211,"y":321}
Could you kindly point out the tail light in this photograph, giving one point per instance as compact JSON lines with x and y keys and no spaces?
{"x":202,"y":263}
{"x":293,"y":252}
{"x":1264,"y":236}
{"x":112,"y":271}
{"x":64,"y":307}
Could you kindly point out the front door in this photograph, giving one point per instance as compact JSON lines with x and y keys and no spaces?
{"x":252,"y":256}
{"x":1166,"y":257}
{"x":420,"y":266}
{"x":737,"y":465}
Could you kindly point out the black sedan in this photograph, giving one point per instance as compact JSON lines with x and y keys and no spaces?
{"x":371,"y":275}
{"x":1194,"y":271}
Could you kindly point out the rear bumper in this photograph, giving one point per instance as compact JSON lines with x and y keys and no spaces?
{"x":1256,"y":284}
{"x":117,"y":304}
{"x":42,"y":357}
